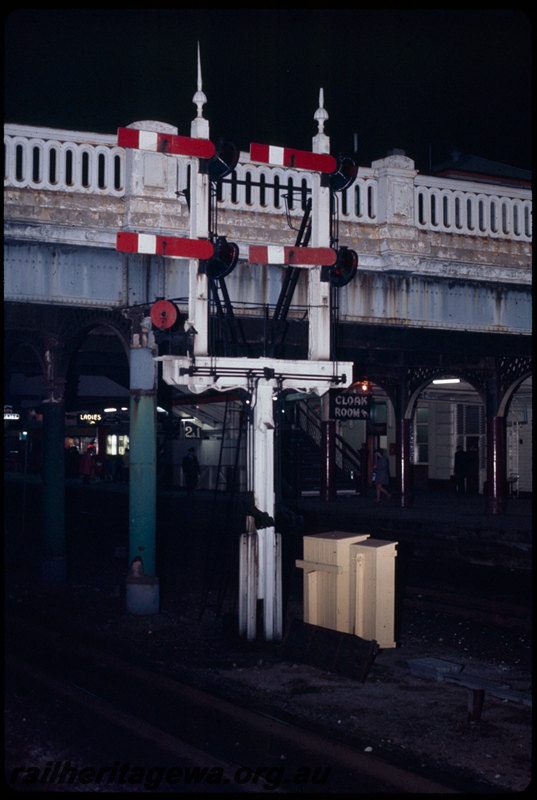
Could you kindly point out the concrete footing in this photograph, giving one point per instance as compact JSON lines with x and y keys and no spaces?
{"x":54,"y":570}
{"x":142,"y":594}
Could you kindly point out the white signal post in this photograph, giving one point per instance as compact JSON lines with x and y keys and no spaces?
{"x":260,"y":549}
{"x":260,"y":560}
{"x":319,"y":291}
{"x":198,"y":294}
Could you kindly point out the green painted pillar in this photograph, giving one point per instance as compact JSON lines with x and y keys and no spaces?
{"x":142,"y":583}
{"x":54,"y":560}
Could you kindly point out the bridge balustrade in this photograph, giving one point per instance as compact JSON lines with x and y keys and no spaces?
{"x":92,"y":163}
{"x":54,"y":160}
{"x":459,"y":207}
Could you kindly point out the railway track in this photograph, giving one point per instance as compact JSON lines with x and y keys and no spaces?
{"x":496,"y":613}
{"x":211,"y":743}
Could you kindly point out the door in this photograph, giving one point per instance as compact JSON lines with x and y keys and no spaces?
{"x":472,"y":454}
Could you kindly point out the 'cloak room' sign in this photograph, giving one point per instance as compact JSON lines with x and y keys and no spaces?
{"x":349,"y":405}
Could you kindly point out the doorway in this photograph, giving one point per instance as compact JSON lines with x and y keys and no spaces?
{"x":472,"y":461}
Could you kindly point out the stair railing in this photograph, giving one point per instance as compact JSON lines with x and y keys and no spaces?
{"x":347,"y":458}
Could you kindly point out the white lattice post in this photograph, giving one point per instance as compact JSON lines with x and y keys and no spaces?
{"x":262,"y":442}
{"x":198,"y":295}
{"x":319,"y":291}
{"x":260,"y":551}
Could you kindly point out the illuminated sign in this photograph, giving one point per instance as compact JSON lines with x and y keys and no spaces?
{"x":349,"y":405}
{"x":190,"y":429}
{"x":85,"y":418}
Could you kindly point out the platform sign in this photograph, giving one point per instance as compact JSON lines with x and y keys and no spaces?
{"x":171,"y":246}
{"x":288,"y":157}
{"x":345,"y":405}
{"x":89,"y":418}
{"x":165,"y":143}
{"x":295,"y":256}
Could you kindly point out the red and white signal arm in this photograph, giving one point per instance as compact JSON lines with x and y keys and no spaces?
{"x":165,"y":143}
{"x":171,"y":246}
{"x":295,"y":256}
{"x":287,"y":157}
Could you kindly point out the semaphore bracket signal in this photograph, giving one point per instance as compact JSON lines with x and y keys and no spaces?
{"x":165,"y":143}
{"x":288,"y":157}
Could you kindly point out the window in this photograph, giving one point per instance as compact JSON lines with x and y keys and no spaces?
{"x":379,"y":412}
{"x":116,"y":445}
{"x":421,"y":435}
{"x":471,"y":421}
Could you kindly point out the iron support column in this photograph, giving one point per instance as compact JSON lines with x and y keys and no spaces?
{"x":328,"y":460}
{"x":404,"y":484}
{"x":142,"y":583}
{"x":54,"y":561}
{"x":496,"y":495}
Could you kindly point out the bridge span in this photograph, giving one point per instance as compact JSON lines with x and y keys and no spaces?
{"x":442,"y":290}
{"x":433,"y":253}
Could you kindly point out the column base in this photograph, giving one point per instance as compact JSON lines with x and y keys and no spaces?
{"x":405,"y":500}
{"x":54,"y":570}
{"x":142,"y":594}
{"x":495,"y":505}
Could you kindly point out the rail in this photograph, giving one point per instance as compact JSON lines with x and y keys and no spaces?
{"x":91,"y":163}
{"x":205,"y":728}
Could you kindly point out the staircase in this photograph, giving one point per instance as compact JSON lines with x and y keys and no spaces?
{"x":301,"y":456}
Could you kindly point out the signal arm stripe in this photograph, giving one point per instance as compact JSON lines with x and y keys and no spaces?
{"x":275,"y":254}
{"x":148,"y":140}
{"x":147,"y":243}
{"x":276,"y":155}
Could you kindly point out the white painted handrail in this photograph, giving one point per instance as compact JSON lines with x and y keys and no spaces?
{"x":473,"y":209}
{"x":77,"y":161}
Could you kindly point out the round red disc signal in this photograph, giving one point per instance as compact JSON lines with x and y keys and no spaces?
{"x":163,"y":314}
{"x":345,"y":267}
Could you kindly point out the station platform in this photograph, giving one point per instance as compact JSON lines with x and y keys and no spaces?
{"x":410,"y":719}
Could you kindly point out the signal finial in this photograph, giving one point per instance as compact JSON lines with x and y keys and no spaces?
{"x":199,"y":98}
{"x":199,"y":127}
{"x":321,"y":115}
{"x":321,"y":142}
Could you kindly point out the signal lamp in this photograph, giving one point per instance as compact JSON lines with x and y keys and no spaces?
{"x":224,"y":160}
{"x":224,"y":260}
{"x":344,"y":175}
{"x":344,"y":270}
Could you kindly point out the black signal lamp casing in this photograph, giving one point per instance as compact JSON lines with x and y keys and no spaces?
{"x":345,"y":174}
{"x":344,"y":270}
{"x":224,"y":260}
{"x":223,"y":162}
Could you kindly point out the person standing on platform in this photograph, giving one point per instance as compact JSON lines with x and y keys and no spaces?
{"x":382,"y":475}
{"x":460,"y":469}
{"x":87,"y":464}
{"x":191,"y":471}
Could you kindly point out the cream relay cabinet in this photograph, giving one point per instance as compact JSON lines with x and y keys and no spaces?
{"x":349,"y":584}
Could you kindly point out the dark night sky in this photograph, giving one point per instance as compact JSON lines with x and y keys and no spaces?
{"x":424,"y":81}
